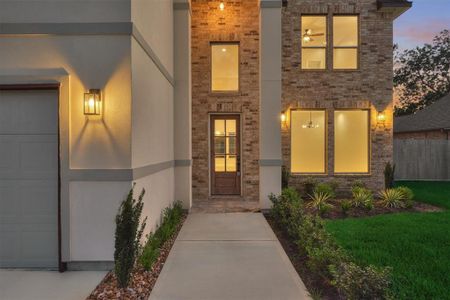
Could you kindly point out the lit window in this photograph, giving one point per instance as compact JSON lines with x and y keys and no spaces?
{"x":224,"y":67}
{"x":351,"y":141}
{"x":308,"y":141}
{"x":314,"y":42}
{"x":345,"y":42}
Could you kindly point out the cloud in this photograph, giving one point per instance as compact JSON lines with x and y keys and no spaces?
{"x":417,"y":33}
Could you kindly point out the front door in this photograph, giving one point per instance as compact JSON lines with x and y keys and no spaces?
{"x":225,"y":155}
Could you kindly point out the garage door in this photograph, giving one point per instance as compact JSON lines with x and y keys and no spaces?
{"x":28,"y":179}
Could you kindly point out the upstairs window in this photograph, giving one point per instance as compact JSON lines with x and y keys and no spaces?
{"x":225,"y":67}
{"x":314,"y":42}
{"x":345,"y":42}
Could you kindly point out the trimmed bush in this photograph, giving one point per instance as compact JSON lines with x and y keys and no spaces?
{"x":361,"y":283}
{"x":128,"y":236}
{"x":171,"y":218}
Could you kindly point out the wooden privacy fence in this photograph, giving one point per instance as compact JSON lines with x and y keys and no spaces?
{"x":422,"y":159}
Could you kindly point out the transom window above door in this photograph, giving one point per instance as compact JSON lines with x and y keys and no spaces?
{"x":224,"y":67}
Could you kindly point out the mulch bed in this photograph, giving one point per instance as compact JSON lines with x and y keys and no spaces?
{"x":316,"y":285}
{"x":141,"y":282}
{"x":378,"y":209}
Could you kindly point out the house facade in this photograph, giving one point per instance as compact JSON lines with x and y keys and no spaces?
{"x":197,"y":101}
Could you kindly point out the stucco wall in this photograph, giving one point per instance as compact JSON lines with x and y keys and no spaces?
{"x":64,"y":11}
{"x":370,"y":87}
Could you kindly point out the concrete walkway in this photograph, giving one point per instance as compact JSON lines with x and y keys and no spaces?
{"x":228,"y":256}
{"x":47,"y":285}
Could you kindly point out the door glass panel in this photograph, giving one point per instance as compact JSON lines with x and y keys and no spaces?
{"x":231,"y":127}
{"x":231,"y":145}
{"x":219,"y":145}
{"x":220,"y":163}
{"x":231,"y":163}
{"x":219,"y":127}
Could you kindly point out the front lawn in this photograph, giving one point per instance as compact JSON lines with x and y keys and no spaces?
{"x":415,"y":245}
{"x":436,"y":193}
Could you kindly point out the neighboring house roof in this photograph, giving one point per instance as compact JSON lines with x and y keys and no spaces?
{"x":434,"y":117}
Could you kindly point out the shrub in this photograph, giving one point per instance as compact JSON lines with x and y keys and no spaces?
{"x":325,"y":189}
{"x":287,"y":209}
{"x":362,"y":197}
{"x":361,"y":283}
{"x":358,"y":184}
{"x":392,"y":198}
{"x":319,"y":201}
{"x":285,"y":175}
{"x":318,"y":245}
{"x":171,"y":218}
{"x":128,"y":236}
{"x":346,"y":205}
{"x":389,"y":171}
{"x":309,"y":185}
{"x":408,"y":194}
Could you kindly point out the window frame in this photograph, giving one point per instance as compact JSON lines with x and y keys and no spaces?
{"x":358,"y":47}
{"x":369,"y":141}
{"x":326,"y":169}
{"x":327,"y":39}
{"x":218,"y":92}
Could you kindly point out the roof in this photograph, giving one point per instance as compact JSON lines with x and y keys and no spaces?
{"x":434,"y":117}
{"x":396,"y":7}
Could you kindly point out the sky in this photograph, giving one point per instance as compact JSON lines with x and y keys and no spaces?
{"x":421,"y":23}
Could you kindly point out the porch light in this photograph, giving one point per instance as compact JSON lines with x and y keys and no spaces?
{"x":221,"y":6}
{"x":381,"y":117}
{"x":92,"y":102}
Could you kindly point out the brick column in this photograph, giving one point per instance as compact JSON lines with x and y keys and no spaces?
{"x":270,"y":100}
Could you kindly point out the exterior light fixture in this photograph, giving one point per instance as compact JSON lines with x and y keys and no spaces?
{"x":283,"y":117}
{"x":92,"y":102}
{"x":381,"y":117}
{"x":221,"y":6}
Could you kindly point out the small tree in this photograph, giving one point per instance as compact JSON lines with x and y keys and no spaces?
{"x":128,"y":236}
{"x":389,"y":172}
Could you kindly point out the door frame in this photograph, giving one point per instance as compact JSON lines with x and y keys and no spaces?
{"x":241,"y":180}
{"x":52,"y":87}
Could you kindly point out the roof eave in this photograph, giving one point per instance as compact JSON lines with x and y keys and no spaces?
{"x":395,"y":7}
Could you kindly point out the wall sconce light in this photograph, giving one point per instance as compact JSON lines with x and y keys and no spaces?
{"x":381,"y":117}
{"x":92,"y":102}
{"x":221,"y":6}
{"x":283,"y":119}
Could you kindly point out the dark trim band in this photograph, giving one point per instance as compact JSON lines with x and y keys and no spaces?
{"x":270,"y":4}
{"x":270,"y":162}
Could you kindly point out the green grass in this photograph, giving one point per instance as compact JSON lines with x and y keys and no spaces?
{"x":415,"y":245}
{"x":436,"y":193}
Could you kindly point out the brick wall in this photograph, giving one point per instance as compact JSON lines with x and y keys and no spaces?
{"x":369,"y":87}
{"x":239,"y":21}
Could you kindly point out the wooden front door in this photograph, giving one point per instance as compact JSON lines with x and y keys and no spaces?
{"x":225,"y":155}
